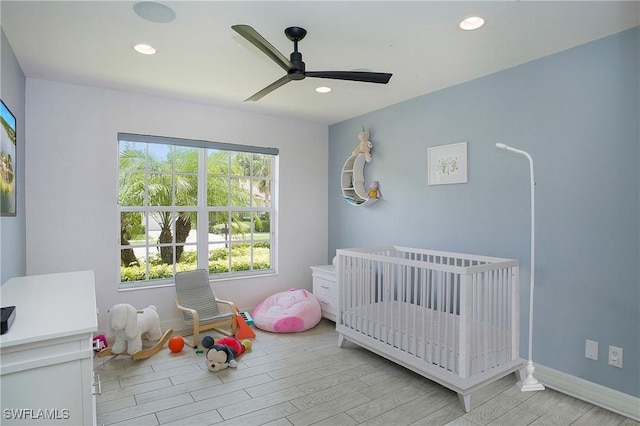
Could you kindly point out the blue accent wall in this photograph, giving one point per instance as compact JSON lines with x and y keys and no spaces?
{"x":12,"y":229}
{"x":577,"y":113}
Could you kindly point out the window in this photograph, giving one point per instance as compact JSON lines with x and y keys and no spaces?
{"x":187,"y":204}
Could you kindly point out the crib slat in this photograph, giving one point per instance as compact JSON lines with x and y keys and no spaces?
{"x":464,"y":335}
{"x":423,"y":305}
{"x":439,"y":340}
{"x":486,"y":318}
{"x":432,"y":335}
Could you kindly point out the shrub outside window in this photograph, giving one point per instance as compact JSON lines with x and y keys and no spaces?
{"x":187,"y":204}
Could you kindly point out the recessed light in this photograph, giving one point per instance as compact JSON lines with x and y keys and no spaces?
{"x":323,"y":89}
{"x":145,"y":49}
{"x":471,"y":23}
{"x":154,"y":12}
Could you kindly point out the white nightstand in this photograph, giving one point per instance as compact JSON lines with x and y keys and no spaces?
{"x":325,"y":289}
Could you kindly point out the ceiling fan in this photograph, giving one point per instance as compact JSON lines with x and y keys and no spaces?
{"x":294,"y":66}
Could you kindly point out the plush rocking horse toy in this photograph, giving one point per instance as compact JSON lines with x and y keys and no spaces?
{"x":130,"y":326}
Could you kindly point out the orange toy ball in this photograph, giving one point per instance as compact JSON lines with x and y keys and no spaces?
{"x":176,"y":343}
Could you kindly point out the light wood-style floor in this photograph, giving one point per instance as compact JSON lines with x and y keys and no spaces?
{"x":304,"y":379}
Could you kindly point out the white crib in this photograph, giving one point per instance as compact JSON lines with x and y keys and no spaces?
{"x":453,"y":318}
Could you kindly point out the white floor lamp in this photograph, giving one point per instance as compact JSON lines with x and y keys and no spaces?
{"x":529,"y":383}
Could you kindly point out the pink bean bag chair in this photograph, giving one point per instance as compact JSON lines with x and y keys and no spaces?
{"x":287,"y":312}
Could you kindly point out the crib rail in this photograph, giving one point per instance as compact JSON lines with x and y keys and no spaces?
{"x":454,"y":312}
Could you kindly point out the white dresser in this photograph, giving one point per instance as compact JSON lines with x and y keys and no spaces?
{"x":46,"y":357}
{"x":325,"y":289}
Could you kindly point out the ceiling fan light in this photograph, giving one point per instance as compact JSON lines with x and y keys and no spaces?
{"x":145,"y":49}
{"x":323,"y":89}
{"x":471,"y":23}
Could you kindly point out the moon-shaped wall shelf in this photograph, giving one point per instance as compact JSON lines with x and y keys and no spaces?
{"x":352,"y":181}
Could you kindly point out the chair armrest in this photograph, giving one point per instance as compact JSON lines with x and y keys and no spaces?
{"x":232,"y":305}
{"x":193,"y":312}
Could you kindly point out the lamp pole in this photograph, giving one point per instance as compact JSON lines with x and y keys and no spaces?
{"x":529,"y":383}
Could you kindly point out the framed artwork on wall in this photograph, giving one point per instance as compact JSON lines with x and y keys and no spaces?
{"x":447,"y":164}
{"x":8,"y":151}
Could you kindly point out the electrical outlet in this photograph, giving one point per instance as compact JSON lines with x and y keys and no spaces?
{"x":591,"y":350}
{"x":615,"y":356}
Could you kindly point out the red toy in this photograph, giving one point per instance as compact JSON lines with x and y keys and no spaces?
{"x":99,"y":342}
{"x":244,"y":331}
{"x":176,"y":343}
{"x":234,"y":343}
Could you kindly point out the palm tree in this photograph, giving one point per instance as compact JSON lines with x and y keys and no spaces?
{"x":159,"y":191}
{"x":225,"y":191}
{"x":180,"y":164}
{"x":129,"y":221}
{"x":131,"y":194}
{"x":185,"y":160}
{"x":262,"y":168}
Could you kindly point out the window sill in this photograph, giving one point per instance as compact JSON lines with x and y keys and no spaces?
{"x":144,"y":285}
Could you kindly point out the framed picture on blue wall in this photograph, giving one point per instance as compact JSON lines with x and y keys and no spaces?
{"x":447,"y":164}
{"x":8,"y":151}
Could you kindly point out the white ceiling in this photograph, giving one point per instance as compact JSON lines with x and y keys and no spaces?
{"x":201,"y":59}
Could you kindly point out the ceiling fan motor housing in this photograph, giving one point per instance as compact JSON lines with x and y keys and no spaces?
{"x":297,"y":72}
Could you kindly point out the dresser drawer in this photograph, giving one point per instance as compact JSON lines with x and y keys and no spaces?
{"x":325,"y":289}
{"x":328,"y":306}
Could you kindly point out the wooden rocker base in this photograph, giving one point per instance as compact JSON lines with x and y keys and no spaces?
{"x":143,"y":354}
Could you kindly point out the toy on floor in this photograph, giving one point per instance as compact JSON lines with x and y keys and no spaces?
{"x":244,"y":331}
{"x":99,"y":342}
{"x":246,"y":316}
{"x":288,"y":312}
{"x":129,"y":326}
{"x":176,"y":343}
{"x":222,"y":353}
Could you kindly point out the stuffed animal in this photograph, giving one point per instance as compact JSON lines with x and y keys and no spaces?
{"x":374,"y":191}
{"x":222,"y":353}
{"x":364,"y":147}
{"x":129,"y":326}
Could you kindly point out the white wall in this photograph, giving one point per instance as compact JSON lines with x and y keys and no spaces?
{"x":71,"y":186}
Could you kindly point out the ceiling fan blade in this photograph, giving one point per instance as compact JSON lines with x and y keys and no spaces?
{"x":367,"y":77}
{"x":270,"y":88}
{"x":267,"y":48}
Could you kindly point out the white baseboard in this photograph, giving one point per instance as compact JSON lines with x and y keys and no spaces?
{"x":610,"y":399}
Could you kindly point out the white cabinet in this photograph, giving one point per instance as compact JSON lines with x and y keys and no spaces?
{"x":325,"y":289}
{"x":46,"y":357}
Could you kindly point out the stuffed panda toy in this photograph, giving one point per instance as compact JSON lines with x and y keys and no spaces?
{"x":222,"y":353}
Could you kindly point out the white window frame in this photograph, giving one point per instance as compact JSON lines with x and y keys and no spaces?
{"x":203,"y":209}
